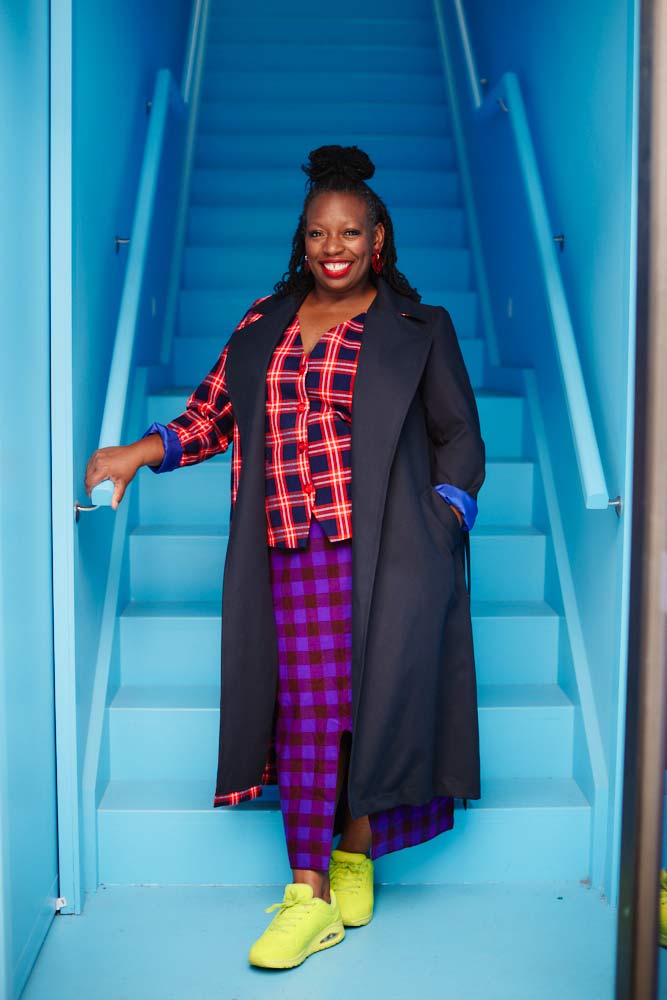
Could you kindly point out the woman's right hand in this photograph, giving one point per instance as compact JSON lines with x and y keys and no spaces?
{"x":121,"y":464}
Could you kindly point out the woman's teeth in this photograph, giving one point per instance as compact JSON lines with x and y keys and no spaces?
{"x":337,"y":268}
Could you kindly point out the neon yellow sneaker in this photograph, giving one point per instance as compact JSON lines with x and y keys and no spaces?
{"x":663,"y":908}
{"x":303,"y":925}
{"x":351,"y":878}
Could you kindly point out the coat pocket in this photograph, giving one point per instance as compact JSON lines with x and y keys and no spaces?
{"x":446,"y":528}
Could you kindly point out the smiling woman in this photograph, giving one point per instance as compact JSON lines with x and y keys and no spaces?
{"x":348,"y":673}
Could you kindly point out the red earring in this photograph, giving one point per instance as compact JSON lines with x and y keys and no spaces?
{"x":377,"y":262}
{"x":306,"y":265}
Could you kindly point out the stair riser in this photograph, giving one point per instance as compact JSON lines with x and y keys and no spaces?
{"x":294,"y":117}
{"x":309,"y":86}
{"x":215,"y":314}
{"x":219,"y":847}
{"x":159,"y":650}
{"x":339,"y":31}
{"x":501,"y":422}
{"x":501,"y":419}
{"x":193,"y":357}
{"x":234,"y":226}
{"x":200,"y":495}
{"x":231,"y":267}
{"x":383,"y":58}
{"x":181,"y":744}
{"x":190,"y":568}
{"x":419,"y":13}
{"x":285,"y":188}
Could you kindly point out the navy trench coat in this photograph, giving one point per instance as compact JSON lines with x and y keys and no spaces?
{"x":414,"y":696}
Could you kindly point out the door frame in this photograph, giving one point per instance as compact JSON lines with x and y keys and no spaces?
{"x":646,"y":715}
{"x":62,"y":492}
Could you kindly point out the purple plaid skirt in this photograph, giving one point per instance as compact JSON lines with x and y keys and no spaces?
{"x":312,"y":598}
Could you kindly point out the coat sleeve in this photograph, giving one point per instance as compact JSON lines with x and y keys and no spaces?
{"x":458,"y":453}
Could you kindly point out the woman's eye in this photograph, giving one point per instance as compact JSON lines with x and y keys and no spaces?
{"x":314,"y":233}
{"x":352,"y":232}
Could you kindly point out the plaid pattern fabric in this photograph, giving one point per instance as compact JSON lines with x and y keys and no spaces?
{"x":311,"y":591}
{"x":207,"y":425}
{"x":312,"y":595}
{"x":308,"y":430}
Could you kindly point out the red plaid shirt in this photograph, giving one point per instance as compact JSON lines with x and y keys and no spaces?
{"x":308,"y":430}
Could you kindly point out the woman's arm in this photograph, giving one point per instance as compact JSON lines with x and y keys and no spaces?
{"x":203,"y":429}
{"x":457,"y":448}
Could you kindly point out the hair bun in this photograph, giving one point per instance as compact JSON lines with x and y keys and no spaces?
{"x":338,"y":161}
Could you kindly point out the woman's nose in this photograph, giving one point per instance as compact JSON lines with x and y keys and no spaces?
{"x":332,"y":246}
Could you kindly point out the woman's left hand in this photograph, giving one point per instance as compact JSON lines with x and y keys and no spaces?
{"x":458,"y":513}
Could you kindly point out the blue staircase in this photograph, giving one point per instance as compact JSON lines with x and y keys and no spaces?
{"x":276,"y":87}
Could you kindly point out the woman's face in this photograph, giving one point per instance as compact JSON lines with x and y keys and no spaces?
{"x":340,"y":241}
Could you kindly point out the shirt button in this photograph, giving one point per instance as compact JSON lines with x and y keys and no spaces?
{"x":309,"y":488}
{"x":300,"y":407}
{"x":303,"y":446}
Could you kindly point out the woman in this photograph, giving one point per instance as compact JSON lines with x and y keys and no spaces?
{"x":347,"y":664}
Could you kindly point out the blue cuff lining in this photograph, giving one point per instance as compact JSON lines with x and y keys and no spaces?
{"x":173,"y":452}
{"x":463,"y":502}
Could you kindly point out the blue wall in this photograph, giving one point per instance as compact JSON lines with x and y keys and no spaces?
{"x":28,"y":855}
{"x":577,"y":69}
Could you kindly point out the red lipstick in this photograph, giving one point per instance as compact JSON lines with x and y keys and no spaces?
{"x":339,"y":271}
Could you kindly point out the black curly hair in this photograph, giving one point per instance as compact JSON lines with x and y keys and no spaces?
{"x":342,"y":168}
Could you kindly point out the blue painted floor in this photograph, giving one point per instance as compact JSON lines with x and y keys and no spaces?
{"x":547,"y":941}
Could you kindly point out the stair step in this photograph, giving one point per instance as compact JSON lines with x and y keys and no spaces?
{"x":412,"y":58}
{"x":501,"y":417}
{"x":208,"y":313}
{"x":507,"y":493}
{"x":316,"y":117}
{"x":193,"y":357}
{"x":200,"y":494}
{"x":315,"y":83}
{"x":382,"y":30}
{"x":286,"y":187}
{"x":171,"y":732}
{"x":233,"y":225}
{"x":224,"y":267}
{"x":168,"y":832}
{"x":170,"y":563}
{"x":516,"y":642}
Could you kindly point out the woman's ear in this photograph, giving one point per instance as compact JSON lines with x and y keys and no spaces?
{"x":378,"y":239}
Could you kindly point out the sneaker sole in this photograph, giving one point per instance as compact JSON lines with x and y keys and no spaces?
{"x":327,"y":938}
{"x":358,"y":923}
